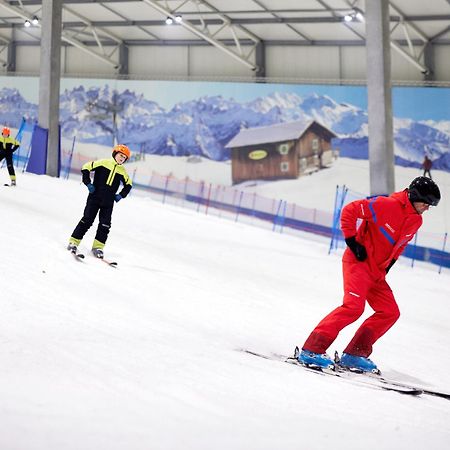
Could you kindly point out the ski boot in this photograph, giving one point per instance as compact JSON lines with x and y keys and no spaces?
{"x":97,"y":252}
{"x":315,"y":360}
{"x":358,"y":364}
{"x":72,"y":248}
{"x":13,"y":182}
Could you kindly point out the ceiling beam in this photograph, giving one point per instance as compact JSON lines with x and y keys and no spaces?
{"x":347,"y":25}
{"x":20,"y":3}
{"x":92,"y":25}
{"x":434,"y":38}
{"x":123,"y":17}
{"x":203,"y":33}
{"x":276,"y":16}
{"x":414,"y":18}
{"x":25,"y":15}
{"x":230,"y":42}
{"x":410,"y":56}
{"x":249,"y":21}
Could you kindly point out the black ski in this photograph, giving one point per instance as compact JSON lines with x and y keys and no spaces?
{"x":355,"y":377}
{"x":77,"y":256}
{"x":110,"y":263}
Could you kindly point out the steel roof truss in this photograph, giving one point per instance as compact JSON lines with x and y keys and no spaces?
{"x":411,"y":55}
{"x":92,"y":30}
{"x":204,"y":33}
{"x":24,"y":14}
{"x":400,"y":50}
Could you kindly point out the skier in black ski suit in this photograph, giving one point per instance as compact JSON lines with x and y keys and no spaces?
{"x":8,"y":146}
{"x":109,"y":173}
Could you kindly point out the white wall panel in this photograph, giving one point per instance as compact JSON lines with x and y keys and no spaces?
{"x":210,"y":61}
{"x":77,"y":61}
{"x":442,"y":62}
{"x":28,"y":59}
{"x":302,"y":62}
{"x":402,"y":69}
{"x":156,"y":61}
{"x":353,"y":63}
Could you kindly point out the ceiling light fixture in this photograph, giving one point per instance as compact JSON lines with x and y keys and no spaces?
{"x":169,"y":21}
{"x":35,"y":20}
{"x":178,"y":19}
{"x":27,"y":23}
{"x":356,"y":15}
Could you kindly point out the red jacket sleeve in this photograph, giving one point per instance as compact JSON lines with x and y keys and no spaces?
{"x":358,"y":209}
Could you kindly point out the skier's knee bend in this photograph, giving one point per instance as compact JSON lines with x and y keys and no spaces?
{"x":87,"y":222}
{"x":353,"y":310}
{"x":394,"y":314}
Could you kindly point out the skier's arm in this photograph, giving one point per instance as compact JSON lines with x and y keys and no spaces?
{"x":15,"y":145}
{"x":86,"y":173}
{"x":359,"y":209}
{"x":127,"y":185}
{"x":87,"y":169}
{"x":388,"y":268}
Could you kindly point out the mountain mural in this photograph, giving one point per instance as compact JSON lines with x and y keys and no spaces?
{"x":205,"y":125}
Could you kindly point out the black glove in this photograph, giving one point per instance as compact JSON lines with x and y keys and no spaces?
{"x":388,"y":268}
{"x":358,"y":249}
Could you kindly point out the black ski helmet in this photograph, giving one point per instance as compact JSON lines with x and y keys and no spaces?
{"x":423,"y":189}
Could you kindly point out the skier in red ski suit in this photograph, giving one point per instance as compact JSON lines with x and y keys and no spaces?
{"x":387,"y":225}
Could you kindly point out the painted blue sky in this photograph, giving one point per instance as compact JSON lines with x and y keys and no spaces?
{"x":408,"y":102}
{"x":417,"y":103}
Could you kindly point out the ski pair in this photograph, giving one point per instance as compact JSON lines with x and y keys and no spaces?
{"x":367,"y":379}
{"x":80,"y":257}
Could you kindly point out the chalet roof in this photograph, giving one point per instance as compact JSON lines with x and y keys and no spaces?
{"x":274,"y":133}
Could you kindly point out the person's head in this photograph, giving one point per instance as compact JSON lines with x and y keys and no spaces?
{"x":423,"y":192}
{"x":121,"y":153}
{"x":6,"y":132}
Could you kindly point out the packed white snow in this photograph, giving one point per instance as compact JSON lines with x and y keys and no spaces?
{"x":147,"y":356}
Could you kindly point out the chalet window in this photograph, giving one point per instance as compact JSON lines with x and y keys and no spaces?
{"x":283,"y":149}
{"x":284,"y":166}
{"x":315,"y":145}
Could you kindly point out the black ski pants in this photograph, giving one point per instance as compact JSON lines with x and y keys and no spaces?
{"x":8,"y":155}
{"x":94,"y":206}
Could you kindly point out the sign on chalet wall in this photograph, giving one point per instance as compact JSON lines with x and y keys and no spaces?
{"x":257,"y":154}
{"x":284,"y":150}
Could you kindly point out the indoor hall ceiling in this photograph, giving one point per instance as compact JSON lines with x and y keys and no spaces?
{"x":244,"y":24}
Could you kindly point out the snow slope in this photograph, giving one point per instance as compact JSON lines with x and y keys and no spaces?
{"x":145,"y":356}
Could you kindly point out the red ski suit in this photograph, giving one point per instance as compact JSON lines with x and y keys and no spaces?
{"x":388,"y":224}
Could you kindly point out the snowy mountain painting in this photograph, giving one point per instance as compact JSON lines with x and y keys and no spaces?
{"x":204,"y":125}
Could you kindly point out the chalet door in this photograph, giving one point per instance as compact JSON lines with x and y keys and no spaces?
{"x":259,"y":172}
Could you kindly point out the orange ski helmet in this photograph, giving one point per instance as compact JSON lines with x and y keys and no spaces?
{"x":121,"y":148}
{"x":6,"y":131}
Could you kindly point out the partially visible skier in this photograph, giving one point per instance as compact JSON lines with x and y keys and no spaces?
{"x":8,"y":146}
{"x":387,"y":225}
{"x":108,"y":175}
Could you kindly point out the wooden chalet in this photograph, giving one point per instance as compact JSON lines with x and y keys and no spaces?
{"x":283,"y":150}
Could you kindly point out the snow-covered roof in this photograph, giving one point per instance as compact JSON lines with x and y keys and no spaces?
{"x":273,"y":133}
